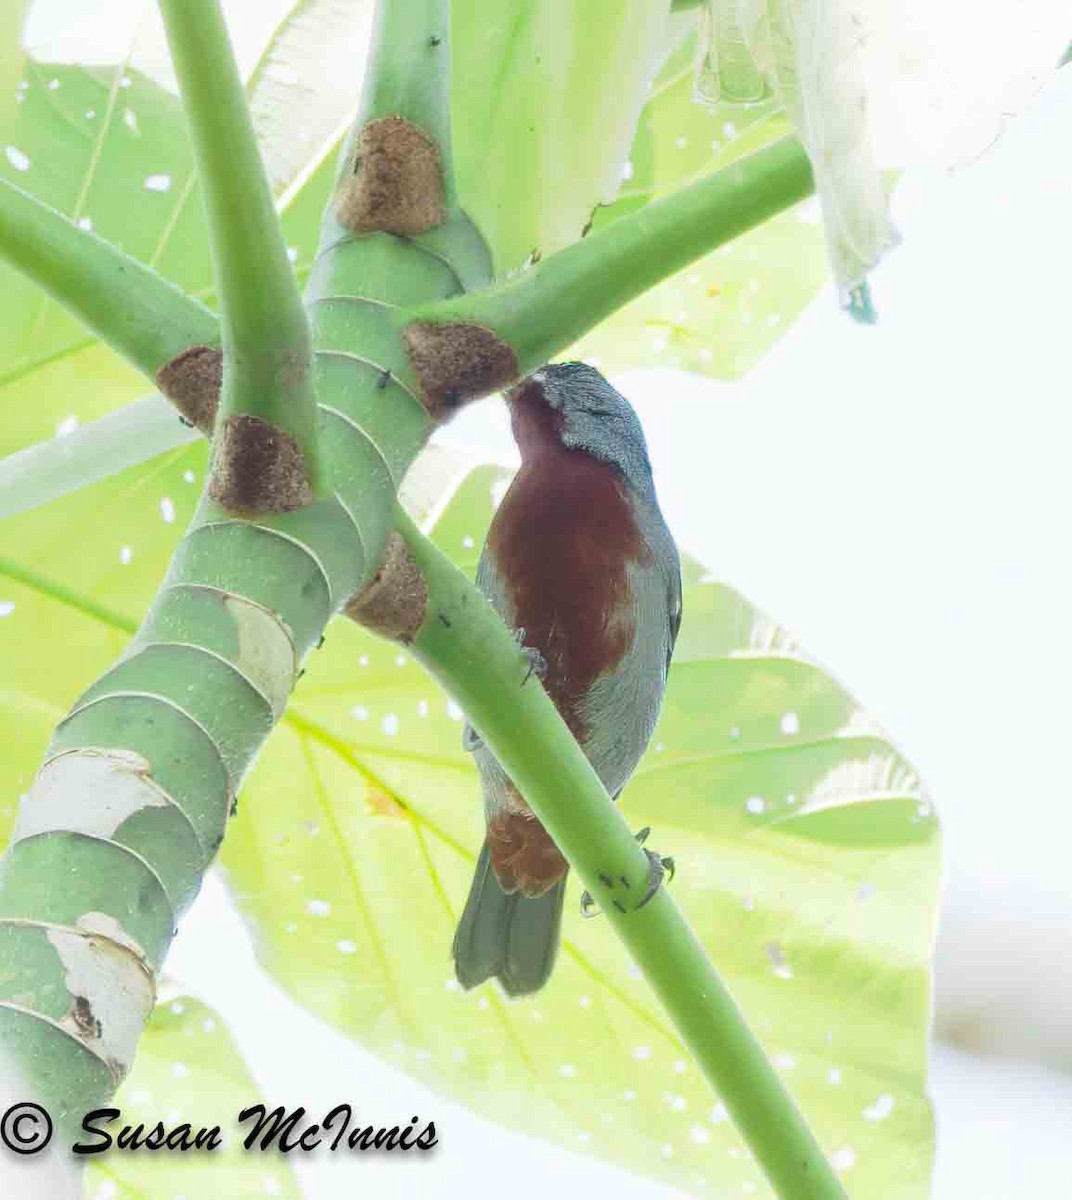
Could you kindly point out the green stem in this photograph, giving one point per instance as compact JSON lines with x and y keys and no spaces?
{"x":410,"y":39}
{"x":138,"y":313}
{"x":546,"y":309}
{"x":267,"y":345}
{"x":685,"y":5}
{"x":464,"y":643}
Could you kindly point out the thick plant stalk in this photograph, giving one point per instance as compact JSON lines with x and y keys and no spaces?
{"x":137,"y":784}
{"x":131,"y":803}
{"x":523,"y":322}
{"x":266,"y":456}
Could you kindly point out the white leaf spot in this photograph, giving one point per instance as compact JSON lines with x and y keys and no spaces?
{"x":318,"y":908}
{"x":755,"y":804}
{"x":641,"y":1053}
{"x":7,"y":607}
{"x":776,"y":957}
{"x":85,"y":223}
{"x":346,"y":946}
{"x":567,"y":1071}
{"x":157,"y":183}
{"x":17,"y":159}
{"x":843,"y":1159}
{"x":390,"y":724}
{"x":453,"y":711}
{"x":699,"y":1135}
{"x":167,"y":509}
{"x":180,"y":1070}
{"x":67,"y":425}
{"x":790,"y":723}
{"x":881,"y":1109}
{"x":468,"y":542}
{"x":422,"y":708}
{"x":833,"y":1076}
{"x":359,"y":713}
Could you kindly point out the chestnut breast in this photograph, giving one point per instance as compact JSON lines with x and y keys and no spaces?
{"x":561,"y":542}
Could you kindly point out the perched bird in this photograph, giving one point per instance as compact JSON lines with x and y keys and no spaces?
{"x":579,"y":562}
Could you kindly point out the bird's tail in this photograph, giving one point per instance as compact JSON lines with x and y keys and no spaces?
{"x":506,"y":935}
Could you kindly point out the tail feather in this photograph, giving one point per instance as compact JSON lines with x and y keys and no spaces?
{"x":507,"y":936}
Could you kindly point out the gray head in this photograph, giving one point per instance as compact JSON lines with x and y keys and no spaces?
{"x":596,"y":418}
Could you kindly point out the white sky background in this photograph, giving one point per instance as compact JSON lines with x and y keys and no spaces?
{"x":899,"y":497}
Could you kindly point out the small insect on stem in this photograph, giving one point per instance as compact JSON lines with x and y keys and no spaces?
{"x":384,"y":379}
{"x":435,"y":41}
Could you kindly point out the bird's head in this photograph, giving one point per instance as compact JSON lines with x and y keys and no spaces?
{"x":572,"y":404}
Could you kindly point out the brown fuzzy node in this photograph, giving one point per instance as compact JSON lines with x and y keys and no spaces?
{"x":394,"y":601}
{"x":456,"y":362}
{"x":258,"y":468}
{"x":191,"y":381}
{"x":395,"y":184}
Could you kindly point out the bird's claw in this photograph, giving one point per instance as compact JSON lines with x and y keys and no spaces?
{"x":660,"y":867}
{"x":537,"y":665}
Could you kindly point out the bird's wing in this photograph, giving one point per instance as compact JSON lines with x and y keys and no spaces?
{"x":491,"y":584}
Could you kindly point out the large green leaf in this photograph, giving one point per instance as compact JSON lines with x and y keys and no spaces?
{"x":807,"y":860}
{"x":722,"y":314}
{"x":188,"y":1071}
{"x":545,"y":97}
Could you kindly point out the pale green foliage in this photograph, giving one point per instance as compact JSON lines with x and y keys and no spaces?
{"x":546,"y":95}
{"x":722,"y":314}
{"x":807,"y":861}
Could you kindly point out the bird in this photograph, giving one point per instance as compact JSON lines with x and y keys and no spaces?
{"x":580,"y":564}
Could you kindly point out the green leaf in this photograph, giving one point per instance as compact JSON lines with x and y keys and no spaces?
{"x":540,"y":136}
{"x":722,"y":314}
{"x":188,"y":1071}
{"x":807,"y":858}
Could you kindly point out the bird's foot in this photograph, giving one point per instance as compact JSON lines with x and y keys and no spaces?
{"x":537,"y":662}
{"x":537,"y":665}
{"x":660,"y":867}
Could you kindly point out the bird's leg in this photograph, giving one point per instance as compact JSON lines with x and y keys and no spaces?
{"x":659,"y":868}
